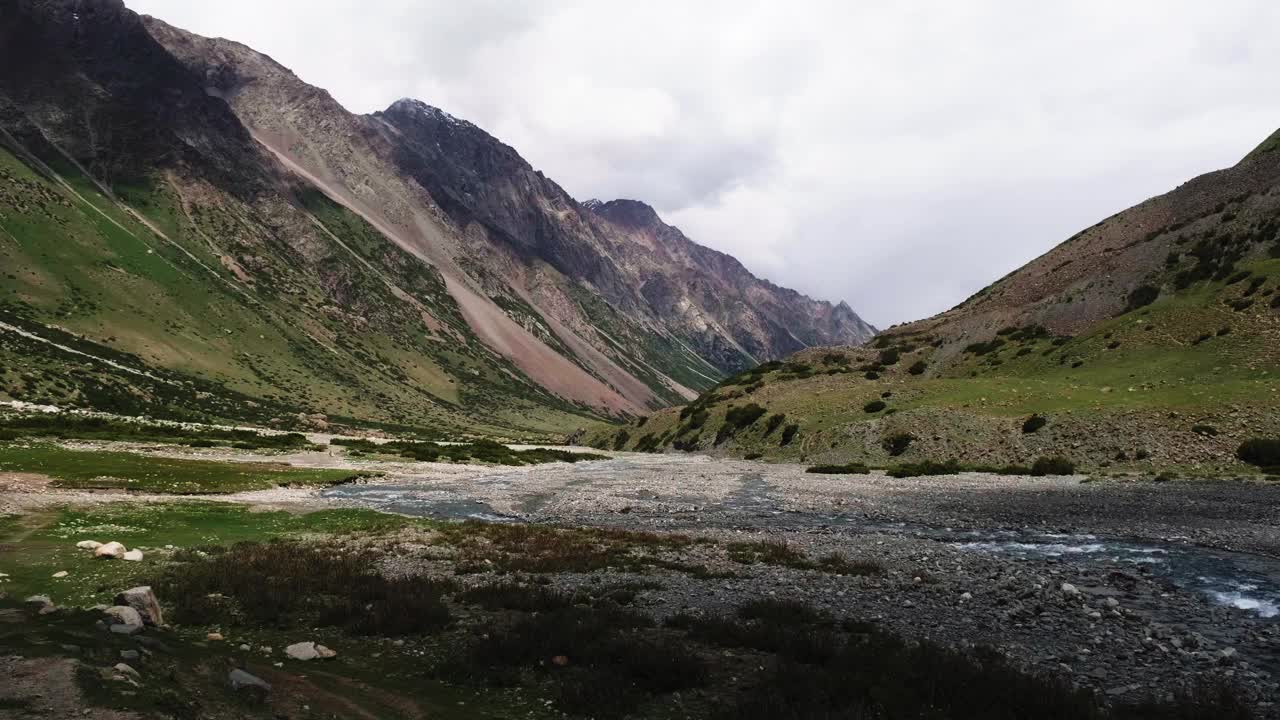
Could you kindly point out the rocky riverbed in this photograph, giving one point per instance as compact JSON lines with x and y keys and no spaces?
{"x":1128,"y":587}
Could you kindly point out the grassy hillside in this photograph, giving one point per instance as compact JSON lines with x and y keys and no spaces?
{"x":175,"y":300}
{"x":1166,"y":356}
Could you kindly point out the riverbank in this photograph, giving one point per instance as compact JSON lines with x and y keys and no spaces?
{"x":1095,"y":582}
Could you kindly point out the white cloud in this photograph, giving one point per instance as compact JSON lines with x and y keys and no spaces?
{"x":897,"y":155}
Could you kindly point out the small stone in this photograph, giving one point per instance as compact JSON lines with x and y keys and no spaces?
{"x":325,"y":653}
{"x":215,"y":637}
{"x":40,"y":603}
{"x":1111,"y":603}
{"x":129,"y":655}
{"x":61,"y":574}
{"x":966,"y":597}
{"x":88,"y":544}
{"x":1070,"y":590}
{"x":560,"y":661}
{"x":241,"y":680}
{"x":1227,"y":656}
{"x":134,"y":555}
{"x":127,"y":670}
{"x":109,"y":551}
{"x":245,"y":648}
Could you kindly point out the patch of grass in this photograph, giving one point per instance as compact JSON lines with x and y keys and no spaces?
{"x":515,"y":596}
{"x":846,"y":469}
{"x":143,"y":473}
{"x":95,"y":428}
{"x":480,"y":451}
{"x":1055,"y":465}
{"x":292,"y":585}
{"x":495,"y":547}
{"x":921,"y":469}
{"x":768,"y":552}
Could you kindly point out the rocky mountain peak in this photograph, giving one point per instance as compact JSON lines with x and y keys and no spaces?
{"x":627,"y":213}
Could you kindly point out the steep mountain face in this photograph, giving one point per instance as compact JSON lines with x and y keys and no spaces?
{"x":225,"y":230}
{"x":499,"y":227}
{"x":1148,"y":340}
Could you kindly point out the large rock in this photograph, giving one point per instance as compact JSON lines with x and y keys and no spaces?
{"x":88,"y":544}
{"x":123,"y":619}
{"x":109,"y":551}
{"x":308,"y":651}
{"x":134,"y":555}
{"x":144,"y":601}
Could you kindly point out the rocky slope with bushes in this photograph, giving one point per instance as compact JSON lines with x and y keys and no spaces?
{"x":1149,"y":342}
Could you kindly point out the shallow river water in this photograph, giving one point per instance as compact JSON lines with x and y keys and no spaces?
{"x":1240,"y":580}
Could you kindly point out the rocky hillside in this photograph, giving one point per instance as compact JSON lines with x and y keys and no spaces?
{"x":1150,"y":340}
{"x":189,"y":230}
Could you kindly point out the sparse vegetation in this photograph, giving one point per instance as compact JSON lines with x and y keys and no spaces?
{"x":846,"y":469}
{"x":1053,"y":466}
{"x":1262,"y":452}
{"x":479,"y":451}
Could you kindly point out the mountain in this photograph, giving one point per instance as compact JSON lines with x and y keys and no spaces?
{"x":1151,"y":339}
{"x":192,"y":231}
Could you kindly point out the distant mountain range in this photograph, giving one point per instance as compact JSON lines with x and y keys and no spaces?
{"x":188,"y":229}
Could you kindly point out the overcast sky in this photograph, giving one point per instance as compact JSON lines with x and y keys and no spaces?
{"x":897,"y":155}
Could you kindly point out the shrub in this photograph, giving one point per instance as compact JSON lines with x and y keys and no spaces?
{"x":741,"y":417}
{"x":897,"y":443}
{"x":872,"y":375}
{"x":889,"y":356}
{"x":1033,"y":423}
{"x":773,"y":423}
{"x":874,"y":406}
{"x":918,"y":367}
{"x":921,"y":469}
{"x":1142,"y":296}
{"x":1262,"y":452}
{"x":620,"y":440}
{"x":847,"y":469}
{"x":1055,"y":465}
{"x":984,"y":348}
{"x":753,"y":456}
{"x":789,"y":434}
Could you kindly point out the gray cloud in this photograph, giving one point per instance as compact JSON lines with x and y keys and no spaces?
{"x":897,"y":155}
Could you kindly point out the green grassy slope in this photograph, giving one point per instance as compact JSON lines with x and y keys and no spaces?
{"x":1174,"y":375}
{"x":236,"y":310}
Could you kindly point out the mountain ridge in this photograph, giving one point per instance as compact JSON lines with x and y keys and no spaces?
{"x":343,"y":231}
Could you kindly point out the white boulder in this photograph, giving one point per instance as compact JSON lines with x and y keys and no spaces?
{"x":123,"y":619}
{"x":109,"y":551}
{"x":88,"y":544}
{"x":308,"y":651}
{"x":134,"y":555}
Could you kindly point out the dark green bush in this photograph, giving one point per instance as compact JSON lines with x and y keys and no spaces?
{"x":918,"y":367}
{"x":1142,"y":296}
{"x":897,"y":443}
{"x":874,"y":406}
{"x":889,"y":356}
{"x":741,"y":417}
{"x":789,"y":434}
{"x":620,"y":440}
{"x":773,"y":423}
{"x":985,"y":348}
{"x":846,"y":469}
{"x":921,"y":469}
{"x":872,"y":375}
{"x":1052,"y":466}
{"x":1262,"y":452}
{"x":1033,"y":423}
